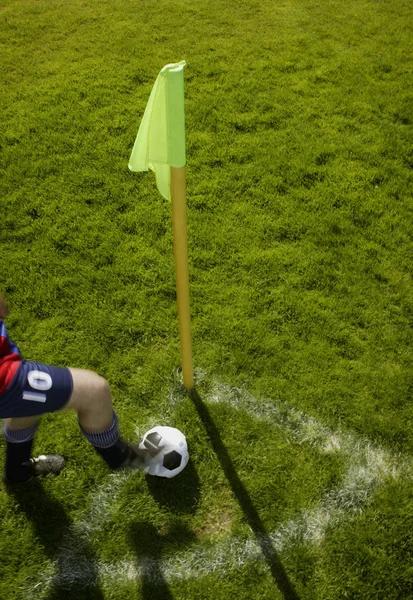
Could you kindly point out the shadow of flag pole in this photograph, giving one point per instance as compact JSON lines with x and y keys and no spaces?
{"x":160,"y":146}
{"x":240,"y":492}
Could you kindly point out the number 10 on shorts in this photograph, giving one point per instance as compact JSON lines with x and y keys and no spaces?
{"x":40,"y":382}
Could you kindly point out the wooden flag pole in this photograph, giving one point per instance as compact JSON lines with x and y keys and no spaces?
{"x":179,"y":223}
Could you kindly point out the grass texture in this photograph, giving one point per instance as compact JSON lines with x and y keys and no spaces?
{"x":299,"y":122}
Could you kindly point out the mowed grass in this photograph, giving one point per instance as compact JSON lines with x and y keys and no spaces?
{"x":299,"y":148}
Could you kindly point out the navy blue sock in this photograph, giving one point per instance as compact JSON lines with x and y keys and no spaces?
{"x":116,"y":455}
{"x":108,"y":444}
{"x":19,"y":444}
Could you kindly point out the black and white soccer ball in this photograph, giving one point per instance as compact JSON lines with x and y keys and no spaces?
{"x":167,"y":451}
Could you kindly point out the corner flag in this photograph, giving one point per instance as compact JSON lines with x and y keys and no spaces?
{"x":160,"y":142}
{"x":160,"y":146}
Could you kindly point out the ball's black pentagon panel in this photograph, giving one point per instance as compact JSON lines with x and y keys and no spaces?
{"x":172,"y":460}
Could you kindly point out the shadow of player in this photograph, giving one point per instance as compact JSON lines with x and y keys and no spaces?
{"x":54,"y":530}
{"x":151,"y":547}
{"x":253,"y":519}
{"x":179,"y":495}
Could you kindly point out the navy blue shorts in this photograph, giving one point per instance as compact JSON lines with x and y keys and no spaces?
{"x":36,"y":389}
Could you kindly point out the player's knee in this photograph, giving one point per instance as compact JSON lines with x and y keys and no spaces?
{"x":90,"y":391}
{"x":101,"y":391}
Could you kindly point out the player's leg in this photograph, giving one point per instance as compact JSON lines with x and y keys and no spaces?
{"x":20,"y":423}
{"x":19,"y":434}
{"x":91,"y":399}
{"x":36,"y":389}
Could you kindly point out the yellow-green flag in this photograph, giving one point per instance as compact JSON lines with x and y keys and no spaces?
{"x":160,"y":142}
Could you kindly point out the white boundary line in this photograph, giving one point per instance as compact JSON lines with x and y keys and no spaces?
{"x":369,"y":467}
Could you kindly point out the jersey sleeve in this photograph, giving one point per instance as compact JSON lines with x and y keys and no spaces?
{"x":10,"y":359}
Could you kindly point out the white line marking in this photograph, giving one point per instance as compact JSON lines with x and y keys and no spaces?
{"x":369,"y":467}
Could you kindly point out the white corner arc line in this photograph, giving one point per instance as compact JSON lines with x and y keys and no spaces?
{"x":369,"y":466}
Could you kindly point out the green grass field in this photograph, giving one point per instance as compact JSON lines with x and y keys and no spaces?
{"x":299,"y":120}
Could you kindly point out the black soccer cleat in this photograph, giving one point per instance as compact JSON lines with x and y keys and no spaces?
{"x":138,"y":457}
{"x":46,"y":464}
{"x":41,"y":466}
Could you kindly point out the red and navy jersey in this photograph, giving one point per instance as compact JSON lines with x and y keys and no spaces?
{"x":10,"y":359}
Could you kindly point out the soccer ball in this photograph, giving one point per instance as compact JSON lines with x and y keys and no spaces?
{"x":167,"y":451}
